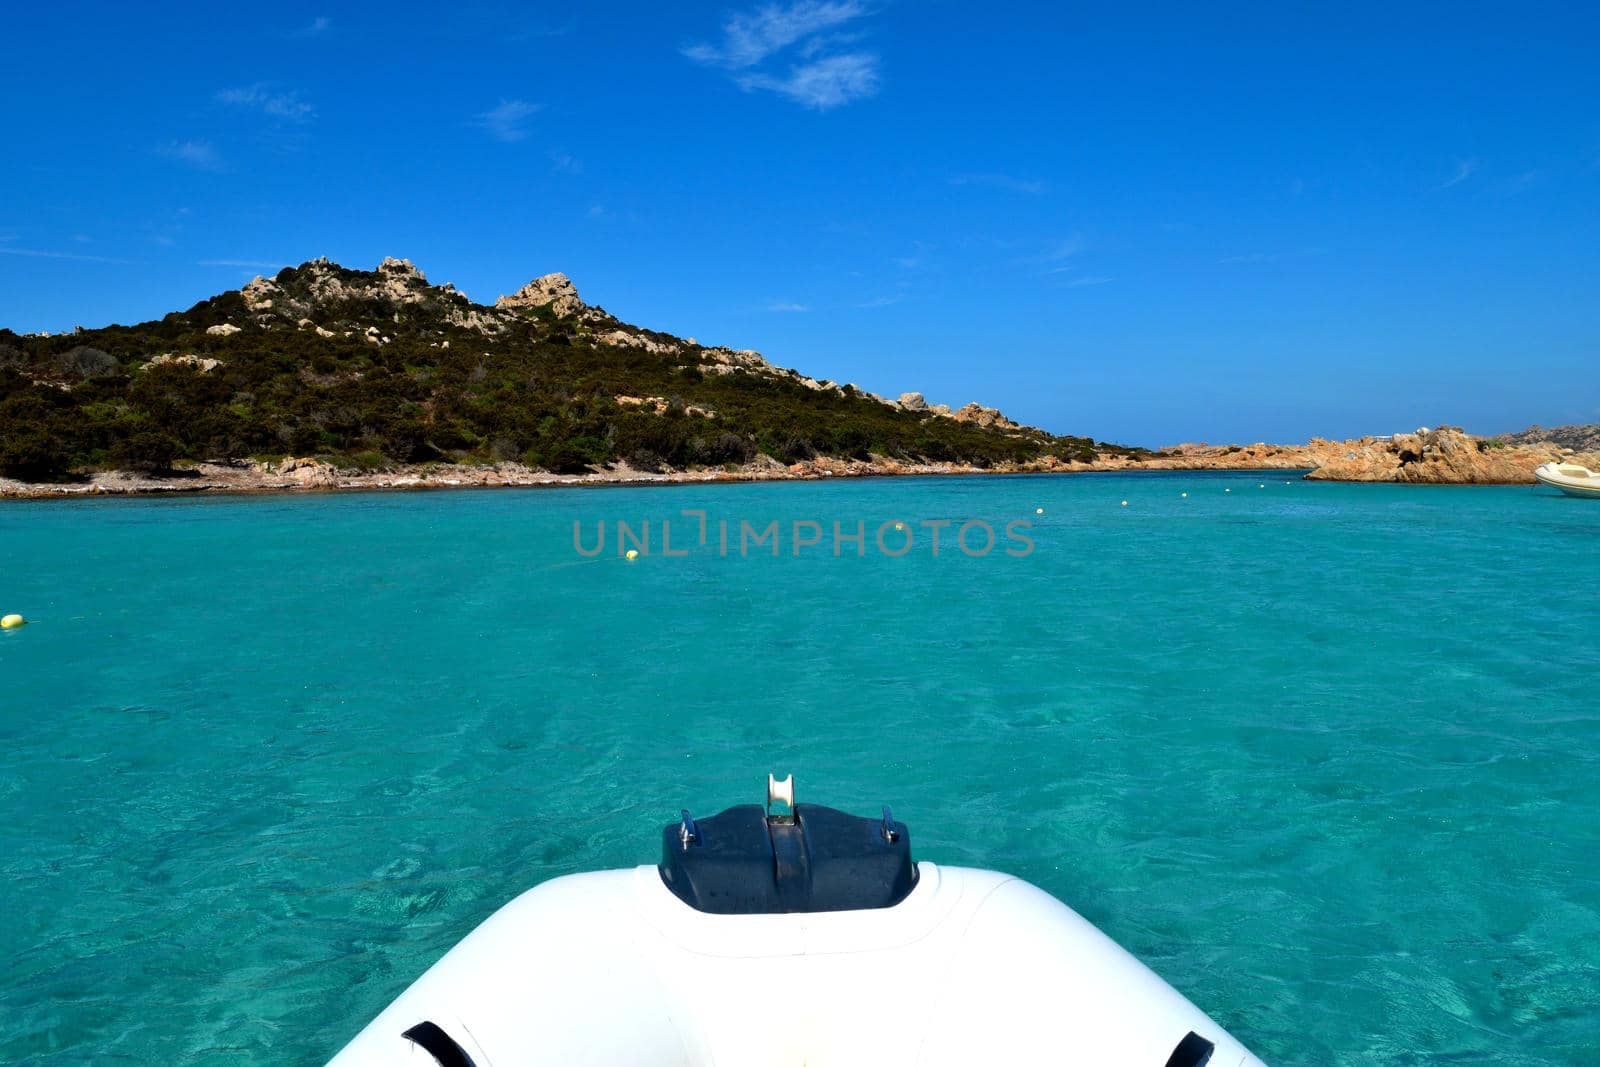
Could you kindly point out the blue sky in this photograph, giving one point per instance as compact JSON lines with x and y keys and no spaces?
{"x":1148,"y":223}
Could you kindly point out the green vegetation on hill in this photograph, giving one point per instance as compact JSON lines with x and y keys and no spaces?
{"x":534,"y":387}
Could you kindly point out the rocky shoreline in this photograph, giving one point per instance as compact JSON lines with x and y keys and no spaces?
{"x":311,"y":475}
{"x":1444,"y":456}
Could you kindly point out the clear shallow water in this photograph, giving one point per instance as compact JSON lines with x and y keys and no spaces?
{"x":1300,"y":748}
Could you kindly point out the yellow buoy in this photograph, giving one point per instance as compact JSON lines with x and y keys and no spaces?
{"x":1038,"y":511}
{"x":633,"y":553}
{"x":899,"y":526}
{"x":11,"y":622}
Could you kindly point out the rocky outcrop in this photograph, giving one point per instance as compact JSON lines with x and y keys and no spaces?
{"x":661,"y":405}
{"x":637,"y":340}
{"x":260,"y":293}
{"x":1259,"y":456}
{"x":554,"y":291}
{"x":471,"y":318}
{"x":224,"y":329}
{"x":203,"y":364}
{"x":303,"y":470}
{"x":315,"y":287}
{"x":740,"y":359}
{"x":988,"y":418}
{"x":1579,"y":438}
{"x":1446,"y":455}
{"x":1442,"y":456}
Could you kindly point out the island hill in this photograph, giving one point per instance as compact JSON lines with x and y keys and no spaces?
{"x":323,"y":376}
{"x":322,"y":373}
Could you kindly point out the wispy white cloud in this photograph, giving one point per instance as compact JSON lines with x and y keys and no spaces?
{"x":38,"y":254}
{"x":917,"y":257}
{"x":748,"y":39}
{"x":1269,"y":257}
{"x":1005,"y":182}
{"x":786,"y":306}
{"x":1521,"y":183}
{"x":1065,"y":248}
{"x":827,"y":43}
{"x":201,"y":155}
{"x":286,"y":106}
{"x":880,"y":301}
{"x":566,"y":162}
{"x":315,"y":28}
{"x":248,"y":264}
{"x":1465,"y":168}
{"x":824,"y":83}
{"x":496,"y":25}
{"x":1060,"y":257}
{"x":824,"y":77}
{"x":508,"y":120}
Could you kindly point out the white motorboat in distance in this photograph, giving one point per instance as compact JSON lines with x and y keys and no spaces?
{"x":1570,"y":478}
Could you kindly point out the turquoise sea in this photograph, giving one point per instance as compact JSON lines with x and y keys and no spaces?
{"x":1327,"y":757}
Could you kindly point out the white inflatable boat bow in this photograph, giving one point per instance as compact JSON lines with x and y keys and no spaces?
{"x":800,"y":935}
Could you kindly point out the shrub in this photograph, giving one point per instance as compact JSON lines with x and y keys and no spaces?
{"x":144,"y":452}
{"x":724,"y":448}
{"x":304,"y":439}
{"x":34,"y":452}
{"x":788,"y":449}
{"x":503,"y":450}
{"x":643,"y":459}
{"x":570,"y":456}
{"x":366,"y":462}
{"x":12,"y":382}
{"x":408,"y":442}
{"x":558,"y":458}
{"x":86,"y":362}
